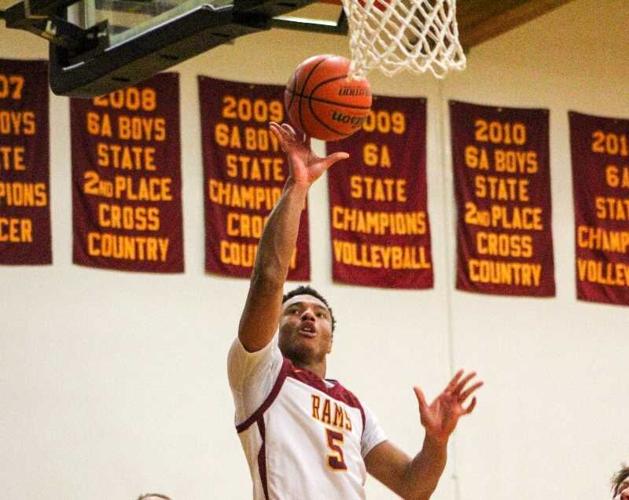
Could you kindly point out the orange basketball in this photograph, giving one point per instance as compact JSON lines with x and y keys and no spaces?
{"x":323,"y":102}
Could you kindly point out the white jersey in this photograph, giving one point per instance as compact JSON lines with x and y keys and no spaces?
{"x":304,"y":437}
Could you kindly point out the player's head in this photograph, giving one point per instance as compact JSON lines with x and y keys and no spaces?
{"x":153,"y":496}
{"x":306,"y":326}
{"x":620,"y":484}
{"x":307,"y":290}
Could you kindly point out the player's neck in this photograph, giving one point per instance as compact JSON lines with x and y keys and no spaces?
{"x":318,"y":368}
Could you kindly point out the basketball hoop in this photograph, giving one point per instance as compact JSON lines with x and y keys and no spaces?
{"x":392,"y":35}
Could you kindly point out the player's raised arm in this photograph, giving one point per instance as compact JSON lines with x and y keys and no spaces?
{"x":277,"y":243}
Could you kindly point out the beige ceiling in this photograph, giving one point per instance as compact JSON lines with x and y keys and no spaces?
{"x":480,"y":20}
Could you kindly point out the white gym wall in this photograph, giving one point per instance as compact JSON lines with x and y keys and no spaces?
{"x":113,"y":384}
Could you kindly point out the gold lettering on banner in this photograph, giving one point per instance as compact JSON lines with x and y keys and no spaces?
{"x":501,"y":209}
{"x":130,"y":196}
{"x":248,"y":138}
{"x":357,"y":220}
{"x":130,"y":98}
{"x":376,"y":155}
{"x":385,"y":122}
{"x":98,"y":124}
{"x":611,"y":208}
{"x":505,"y":216}
{"x":515,"y":162}
{"x":503,"y":160}
{"x":603,"y":273}
{"x":12,"y":158}
{"x":253,"y":172}
{"x":16,"y":123}
{"x":245,"y":225}
{"x":604,"y":243}
{"x":23,"y":194}
{"x":131,"y":218}
{"x":501,"y":188}
{"x":16,"y":230}
{"x":243,"y":196}
{"x":243,"y":254}
{"x":11,"y":86}
{"x":497,"y":132}
{"x":497,"y":272}
{"x":606,"y":240}
{"x":380,"y":256}
{"x":381,"y":187}
{"x":140,"y":128}
{"x":14,"y":163}
{"x":617,"y":176}
{"x":255,"y":168}
{"x":504,"y":244}
{"x":610,"y":143}
{"x":245,"y":109}
{"x":377,"y":189}
{"x":122,"y":247}
{"x":124,"y":157}
{"x":124,"y":187}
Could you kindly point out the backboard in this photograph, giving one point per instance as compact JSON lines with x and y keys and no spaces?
{"x":97,"y":46}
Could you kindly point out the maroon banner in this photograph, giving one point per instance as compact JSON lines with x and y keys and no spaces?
{"x":502,"y":184}
{"x":24,"y":163}
{"x":600,"y":180}
{"x":244,"y":173}
{"x":126,"y":173}
{"x":378,"y":199}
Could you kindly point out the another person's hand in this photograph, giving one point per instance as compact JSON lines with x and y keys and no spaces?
{"x":304,"y":166}
{"x":440,"y":417}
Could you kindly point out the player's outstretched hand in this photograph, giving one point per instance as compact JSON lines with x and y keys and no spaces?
{"x":440,"y":417}
{"x":305,"y":167}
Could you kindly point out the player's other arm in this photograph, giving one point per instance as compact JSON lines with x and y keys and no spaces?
{"x":417,"y":478}
{"x":277,"y":243}
{"x":411,"y":478}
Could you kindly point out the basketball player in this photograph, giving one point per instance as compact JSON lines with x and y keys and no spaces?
{"x":307,"y":437}
{"x":620,"y":484}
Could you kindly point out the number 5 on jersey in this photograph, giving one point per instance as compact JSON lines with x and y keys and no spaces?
{"x":336,"y":460}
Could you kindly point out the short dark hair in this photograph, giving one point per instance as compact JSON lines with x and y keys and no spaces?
{"x":618,"y":478}
{"x":308,"y":290}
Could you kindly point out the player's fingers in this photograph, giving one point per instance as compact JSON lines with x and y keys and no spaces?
{"x":463,"y":382}
{"x":290,"y":130}
{"x":288,"y":127}
{"x":285,"y":137}
{"x":284,"y":129}
{"x":278,"y":132}
{"x":334,"y":157}
{"x":466,"y":394}
{"x":421,"y":399}
{"x":452,"y":384}
{"x":470,"y":408}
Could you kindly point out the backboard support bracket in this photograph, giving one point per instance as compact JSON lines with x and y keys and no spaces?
{"x":41,"y":18}
{"x":339,"y":27}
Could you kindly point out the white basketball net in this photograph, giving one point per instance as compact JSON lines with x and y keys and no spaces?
{"x":417,"y":35}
